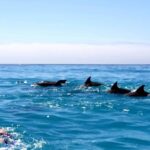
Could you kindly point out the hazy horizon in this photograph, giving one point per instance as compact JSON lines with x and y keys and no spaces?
{"x":74,"y":32}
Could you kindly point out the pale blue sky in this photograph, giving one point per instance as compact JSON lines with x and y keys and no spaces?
{"x":74,"y":22}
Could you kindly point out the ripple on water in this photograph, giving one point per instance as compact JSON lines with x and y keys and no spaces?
{"x":72,"y":116}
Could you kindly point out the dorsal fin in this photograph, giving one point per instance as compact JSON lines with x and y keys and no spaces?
{"x":115,"y":86}
{"x":59,"y":82}
{"x":62,"y":81}
{"x":88,"y":80}
{"x":140,"y":89}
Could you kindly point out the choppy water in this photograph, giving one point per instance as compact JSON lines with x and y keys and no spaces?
{"x":71,"y":117}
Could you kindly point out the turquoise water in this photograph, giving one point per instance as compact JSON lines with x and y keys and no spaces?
{"x":72,"y":117}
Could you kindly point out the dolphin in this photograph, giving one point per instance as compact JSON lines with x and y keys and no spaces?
{"x":116,"y":90}
{"x":50,"y":83}
{"x":88,"y":83}
{"x":139,"y":92}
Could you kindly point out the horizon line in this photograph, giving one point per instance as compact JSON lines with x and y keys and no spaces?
{"x":74,"y":64}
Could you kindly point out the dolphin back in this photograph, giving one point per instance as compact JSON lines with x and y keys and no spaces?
{"x":60,"y":82}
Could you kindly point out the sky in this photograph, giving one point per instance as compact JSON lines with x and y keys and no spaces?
{"x":74,"y":32}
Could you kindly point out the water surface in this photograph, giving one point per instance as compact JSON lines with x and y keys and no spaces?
{"x":71,"y":117}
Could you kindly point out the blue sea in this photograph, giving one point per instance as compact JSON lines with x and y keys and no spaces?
{"x":73,"y":117}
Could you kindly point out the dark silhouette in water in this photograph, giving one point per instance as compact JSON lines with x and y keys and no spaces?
{"x":139,"y":92}
{"x":49,"y":83}
{"x":88,"y":83}
{"x":116,"y":90}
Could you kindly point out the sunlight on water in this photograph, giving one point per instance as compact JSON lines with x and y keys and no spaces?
{"x":73,"y":116}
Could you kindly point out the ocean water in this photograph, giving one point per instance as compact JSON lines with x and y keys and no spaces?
{"x":72,"y":117}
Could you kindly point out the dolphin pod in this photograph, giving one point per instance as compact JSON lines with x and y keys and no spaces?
{"x":115,"y":89}
{"x":137,"y":93}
